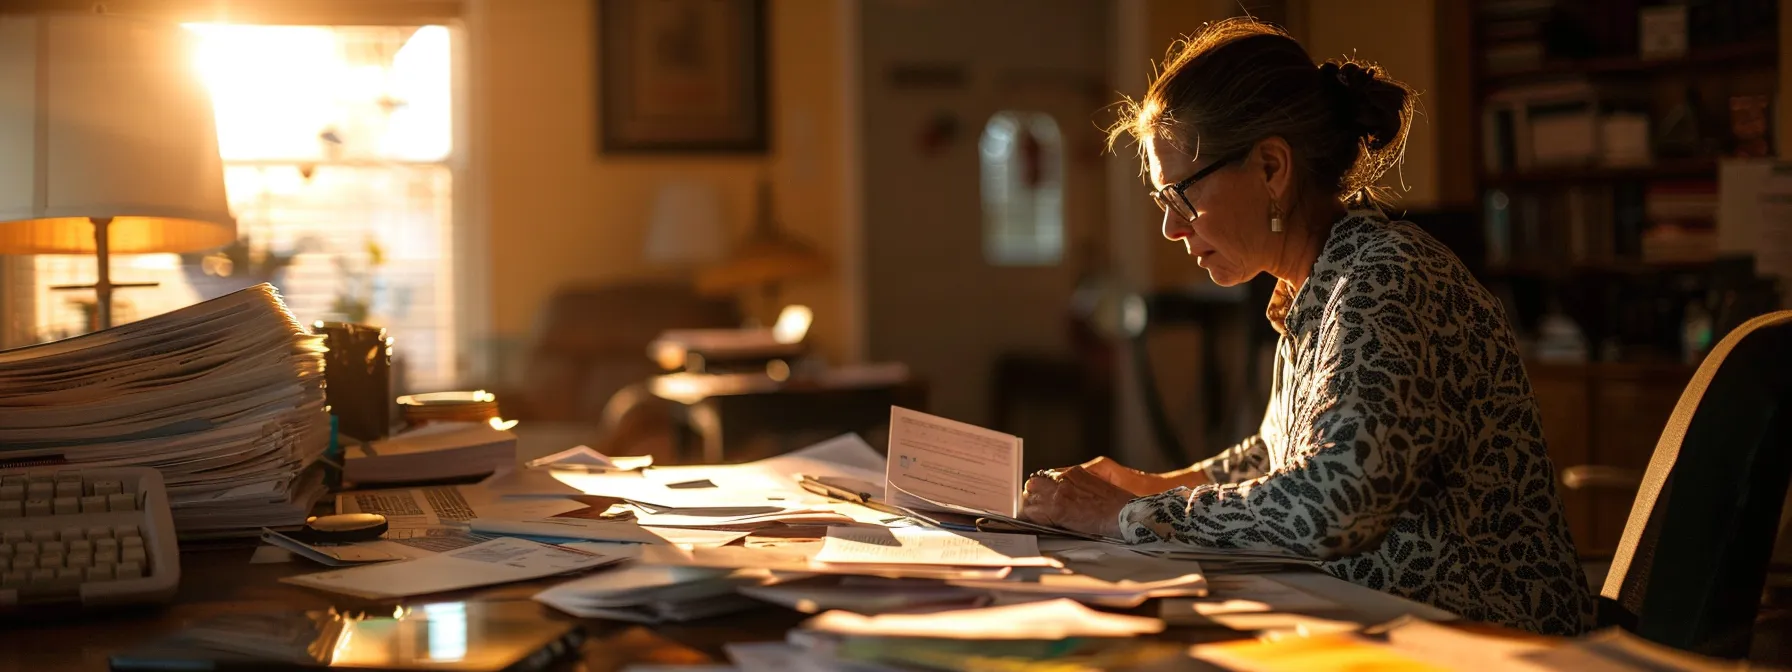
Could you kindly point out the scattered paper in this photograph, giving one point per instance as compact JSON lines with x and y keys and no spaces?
{"x":1090,"y":590}
{"x":1456,"y":649}
{"x":1254,"y":603}
{"x":583,"y":458}
{"x":270,"y":555}
{"x":646,"y":593}
{"x":501,"y":560}
{"x":864,"y":595}
{"x":1614,"y":650}
{"x":1045,"y":620}
{"x":1329,"y":651}
{"x":528,"y":483}
{"x":765,"y":656}
{"x":627,"y":531}
{"x":939,"y":460}
{"x":877,"y":545}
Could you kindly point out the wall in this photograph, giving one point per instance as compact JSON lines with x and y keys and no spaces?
{"x":557,"y":212}
{"x":1401,"y":36}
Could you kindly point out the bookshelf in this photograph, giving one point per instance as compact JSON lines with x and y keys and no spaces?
{"x":1607,"y":218}
{"x":1755,"y":53}
{"x":1595,"y":167}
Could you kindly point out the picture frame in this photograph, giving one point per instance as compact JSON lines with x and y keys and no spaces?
{"x":681,"y":76}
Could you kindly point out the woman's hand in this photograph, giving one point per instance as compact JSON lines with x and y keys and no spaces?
{"x":1074,"y":499}
{"x":1140,"y":483}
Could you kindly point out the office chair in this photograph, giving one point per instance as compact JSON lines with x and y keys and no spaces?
{"x":1693,"y":560}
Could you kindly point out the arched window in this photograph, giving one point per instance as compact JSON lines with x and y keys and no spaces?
{"x":1023,"y":190}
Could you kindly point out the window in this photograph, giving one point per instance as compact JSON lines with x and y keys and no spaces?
{"x":337,"y":148}
{"x":1023,"y":190}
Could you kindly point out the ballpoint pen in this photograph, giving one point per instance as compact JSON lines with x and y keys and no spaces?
{"x":832,"y":491}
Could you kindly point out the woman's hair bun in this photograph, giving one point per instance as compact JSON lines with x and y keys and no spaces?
{"x":1373,"y":106}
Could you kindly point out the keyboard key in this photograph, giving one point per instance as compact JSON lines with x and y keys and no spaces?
{"x":107,"y":487}
{"x":49,"y":560}
{"x":13,"y":579}
{"x":130,"y":542}
{"x":73,"y":534}
{"x":52,"y":547}
{"x":25,"y":548}
{"x":123,"y":501}
{"x":68,"y":506}
{"x":40,"y":490}
{"x":37,"y":506}
{"x":93,"y":504}
{"x":14,"y":536}
{"x":79,"y":546}
{"x":129,"y":556}
{"x":68,"y":476}
{"x":97,"y":533}
{"x":5,"y":551}
{"x":12,"y":493}
{"x":15,"y":479}
{"x":105,"y":546}
{"x":123,"y":531}
{"x":99,"y":573}
{"x":80,"y":559}
{"x":43,"y":575}
{"x":12,"y":509}
{"x":130,"y":570}
{"x":68,"y":575}
{"x":24,"y":562}
{"x":43,"y":535}
{"x":68,"y":489}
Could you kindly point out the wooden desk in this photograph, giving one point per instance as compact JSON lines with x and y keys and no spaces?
{"x":221,"y":582}
{"x":757,"y":417}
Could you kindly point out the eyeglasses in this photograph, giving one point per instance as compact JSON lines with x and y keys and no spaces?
{"x":1175,"y":196}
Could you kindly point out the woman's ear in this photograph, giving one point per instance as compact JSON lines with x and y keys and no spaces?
{"x":1276,"y":161}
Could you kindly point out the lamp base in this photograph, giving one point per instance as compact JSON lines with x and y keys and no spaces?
{"x":103,"y":286}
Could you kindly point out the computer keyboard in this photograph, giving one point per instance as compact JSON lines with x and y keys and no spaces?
{"x":93,"y":536}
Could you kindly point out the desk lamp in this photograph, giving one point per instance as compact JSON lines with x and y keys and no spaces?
{"x":765,"y":259}
{"x":107,"y":143}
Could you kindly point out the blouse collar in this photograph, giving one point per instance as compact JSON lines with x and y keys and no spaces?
{"x":1299,"y":309}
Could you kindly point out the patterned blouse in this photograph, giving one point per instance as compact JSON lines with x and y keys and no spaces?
{"x":1401,"y":446}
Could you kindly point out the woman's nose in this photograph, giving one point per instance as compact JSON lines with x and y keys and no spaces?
{"x":1175,"y":227}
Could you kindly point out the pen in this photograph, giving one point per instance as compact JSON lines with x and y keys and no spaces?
{"x":830,"y":491}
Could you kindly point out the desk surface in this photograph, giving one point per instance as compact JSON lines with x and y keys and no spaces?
{"x":221,"y":582}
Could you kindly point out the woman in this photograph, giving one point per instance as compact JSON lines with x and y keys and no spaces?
{"x":1401,"y":446}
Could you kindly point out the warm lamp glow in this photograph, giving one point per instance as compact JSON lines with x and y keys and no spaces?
{"x":793,"y":324}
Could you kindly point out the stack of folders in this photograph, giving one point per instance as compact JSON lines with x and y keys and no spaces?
{"x":225,"y":397}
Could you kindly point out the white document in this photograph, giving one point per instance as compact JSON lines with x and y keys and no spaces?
{"x":583,"y":458}
{"x":1047,"y":620}
{"x":528,"y":483}
{"x":625,"y":531}
{"x":917,"y":546}
{"x":953,"y":463}
{"x":497,"y":561}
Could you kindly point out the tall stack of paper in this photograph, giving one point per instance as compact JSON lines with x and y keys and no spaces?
{"x":225,"y":397}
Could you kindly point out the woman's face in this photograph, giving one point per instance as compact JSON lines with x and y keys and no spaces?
{"x":1230,"y":236}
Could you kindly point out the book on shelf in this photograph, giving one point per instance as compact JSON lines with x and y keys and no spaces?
{"x":1564,"y":125}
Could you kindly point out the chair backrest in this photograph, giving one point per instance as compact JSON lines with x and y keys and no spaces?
{"x":1690,"y":568}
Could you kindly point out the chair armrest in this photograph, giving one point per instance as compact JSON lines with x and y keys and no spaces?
{"x":1590,"y":476}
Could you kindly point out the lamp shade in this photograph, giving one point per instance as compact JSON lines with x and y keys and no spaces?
{"x":766,"y":257}
{"x":105,"y":116}
{"x":687,"y":225}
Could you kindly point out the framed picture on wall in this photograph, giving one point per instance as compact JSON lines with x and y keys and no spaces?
{"x":681,"y":76}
